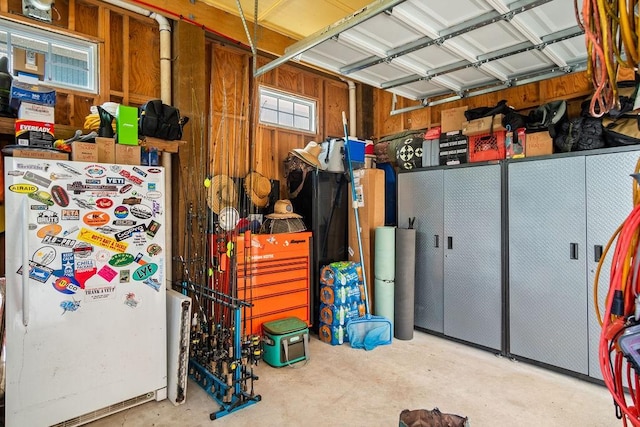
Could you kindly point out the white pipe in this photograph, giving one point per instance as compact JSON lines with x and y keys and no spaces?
{"x":352,"y":108}
{"x":165,"y":95}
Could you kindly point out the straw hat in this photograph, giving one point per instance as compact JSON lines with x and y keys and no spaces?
{"x":257,"y":188}
{"x":283,"y":209}
{"x":309,"y":153}
{"x":222,"y":193}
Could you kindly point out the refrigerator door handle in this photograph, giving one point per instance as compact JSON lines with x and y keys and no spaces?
{"x":25,"y":262}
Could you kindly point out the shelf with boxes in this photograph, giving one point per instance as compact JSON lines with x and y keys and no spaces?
{"x":481,"y":140}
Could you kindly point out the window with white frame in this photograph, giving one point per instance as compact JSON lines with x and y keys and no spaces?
{"x":287,"y":110}
{"x":69,"y":62}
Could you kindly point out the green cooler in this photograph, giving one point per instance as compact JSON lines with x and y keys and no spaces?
{"x":286,"y":341}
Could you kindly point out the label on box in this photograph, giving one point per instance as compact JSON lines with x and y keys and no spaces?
{"x":36,"y":112}
{"x":33,"y":133}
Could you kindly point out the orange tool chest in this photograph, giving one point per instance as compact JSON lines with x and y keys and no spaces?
{"x":275,"y":277}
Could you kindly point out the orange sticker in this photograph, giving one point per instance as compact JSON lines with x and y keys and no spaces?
{"x":49,"y":230}
{"x":96,"y":218}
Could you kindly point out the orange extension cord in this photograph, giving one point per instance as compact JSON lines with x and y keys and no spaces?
{"x":625,"y":282}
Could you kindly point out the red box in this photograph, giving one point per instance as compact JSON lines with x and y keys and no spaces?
{"x":487,"y":147}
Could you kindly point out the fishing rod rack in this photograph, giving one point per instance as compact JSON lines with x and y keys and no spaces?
{"x":221,"y":356}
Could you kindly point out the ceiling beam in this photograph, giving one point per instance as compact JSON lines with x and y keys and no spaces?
{"x":219,"y":22}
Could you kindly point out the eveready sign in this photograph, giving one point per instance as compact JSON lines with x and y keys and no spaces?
{"x":29,"y":125}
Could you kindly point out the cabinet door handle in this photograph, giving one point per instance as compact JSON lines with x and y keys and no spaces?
{"x":436,"y":240}
{"x":449,"y":242}
{"x":597,"y":252}
{"x":573,"y":250}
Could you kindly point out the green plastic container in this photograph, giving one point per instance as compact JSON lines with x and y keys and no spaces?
{"x":286,"y":341}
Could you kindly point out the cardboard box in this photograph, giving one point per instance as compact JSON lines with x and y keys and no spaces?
{"x":452,"y":119}
{"x":106,"y":150}
{"x":37,"y":94}
{"x":34,"y":134}
{"x":40,"y":154}
{"x":84,"y":151}
{"x":127,"y":125}
{"x":370,"y":188}
{"x":37,"y":112}
{"x":482,"y":125}
{"x":127,"y":154}
{"x":539,"y":144}
{"x":28,"y":61}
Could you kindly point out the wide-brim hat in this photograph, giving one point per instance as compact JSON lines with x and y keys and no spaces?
{"x":222,"y":193}
{"x":309,"y":153}
{"x":258,"y":188}
{"x":283,"y":209}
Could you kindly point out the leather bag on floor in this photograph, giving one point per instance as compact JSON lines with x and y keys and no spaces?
{"x":433,"y":418}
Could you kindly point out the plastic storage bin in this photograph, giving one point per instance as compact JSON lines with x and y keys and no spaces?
{"x":487,"y":147}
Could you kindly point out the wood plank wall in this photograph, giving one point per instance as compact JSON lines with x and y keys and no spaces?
{"x":572,"y":87}
{"x":236,"y":146}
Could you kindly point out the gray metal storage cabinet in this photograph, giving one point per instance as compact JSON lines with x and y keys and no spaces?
{"x":458,"y":260}
{"x":609,"y":202}
{"x":547,"y":262}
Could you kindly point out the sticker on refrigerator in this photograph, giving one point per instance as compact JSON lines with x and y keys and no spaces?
{"x":104,"y":203}
{"x":102,"y":255}
{"x":66,"y":285}
{"x":95,"y":171}
{"x":60,"y":196}
{"x":141,"y":211}
{"x":23,"y":188}
{"x":102,"y":240}
{"x":154,"y":195}
{"x":100,"y":293}
{"x":145,"y":271}
{"x":68,"y":168}
{"x":153,"y":228}
{"x":69,"y":214}
{"x":70,"y":305}
{"x":121,"y":260}
{"x":41,"y":196}
{"x":130,"y":177}
{"x":45,"y":255}
{"x":131,"y":300}
{"x":58,"y":241}
{"x":47,"y":217}
{"x":82,"y":250}
{"x":43,"y":167}
{"x":96,"y":218}
{"x":140,"y":240}
{"x":123,"y":235}
{"x":121,"y":212}
{"x":125,"y":276}
{"x":49,"y":230}
{"x":37,"y":179}
{"x":107,"y":273}
{"x":152,"y":283}
{"x":154,"y":249}
{"x":54,"y":176}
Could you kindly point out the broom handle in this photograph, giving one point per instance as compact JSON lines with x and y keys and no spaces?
{"x":355,"y":210}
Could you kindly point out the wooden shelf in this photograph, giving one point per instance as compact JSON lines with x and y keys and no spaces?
{"x":8,"y":127}
{"x":162,"y":144}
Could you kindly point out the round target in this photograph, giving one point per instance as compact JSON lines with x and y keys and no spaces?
{"x":406,"y":153}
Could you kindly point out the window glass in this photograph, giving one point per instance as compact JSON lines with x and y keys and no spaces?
{"x":287,"y":110}
{"x":68,"y":62}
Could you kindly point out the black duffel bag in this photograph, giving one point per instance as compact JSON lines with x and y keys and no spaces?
{"x":160,"y":120}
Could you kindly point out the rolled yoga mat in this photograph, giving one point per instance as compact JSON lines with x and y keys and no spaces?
{"x":404,"y":291}
{"x":385,"y":255}
{"x":384,"y":269}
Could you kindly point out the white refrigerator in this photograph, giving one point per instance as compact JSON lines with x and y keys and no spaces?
{"x":85,"y":297}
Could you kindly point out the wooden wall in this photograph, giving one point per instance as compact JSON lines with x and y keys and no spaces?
{"x":572,"y":87}
{"x":236,"y":145}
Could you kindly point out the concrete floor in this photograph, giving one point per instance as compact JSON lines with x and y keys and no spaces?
{"x":341,"y":386}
